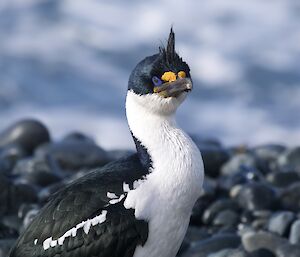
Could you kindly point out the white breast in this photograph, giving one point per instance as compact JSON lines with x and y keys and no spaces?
{"x":166,"y":198}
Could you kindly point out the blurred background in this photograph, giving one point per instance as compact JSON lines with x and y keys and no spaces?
{"x":67,"y":63}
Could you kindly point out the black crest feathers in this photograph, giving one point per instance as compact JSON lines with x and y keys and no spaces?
{"x":169,"y":54}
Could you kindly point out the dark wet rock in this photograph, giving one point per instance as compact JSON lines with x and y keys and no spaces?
{"x":230,"y":253}
{"x":183,"y":247}
{"x":259,"y":223}
{"x":12,"y":221}
{"x":280,"y":222}
{"x":20,"y":193}
{"x":38,"y":171}
{"x":196,"y":234}
{"x":288,"y":250}
{"x":263,"y":214}
{"x":261,"y":253}
{"x":269,"y":152}
{"x":202,"y":142}
{"x":295,"y":233}
{"x":74,"y":155}
{"x":253,"y":241}
{"x":212,"y":245}
{"x":9,"y":155}
{"x":5,"y":246}
{"x":290,"y":159}
{"x":256,"y":196}
{"x":290,"y":196}
{"x":27,"y":134}
{"x":213,"y":159}
{"x":228,"y":218}
{"x":216,"y":207}
{"x":114,"y":155}
{"x":78,"y":136}
{"x":201,"y":204}
{"x":243,"y":176}
{"x":7,"y":231}
{"x":45,"y":193}
{"x":283,"y":179}
{"x":243,"y":161}
{"x":30,"y":215}
{"x":25,"y":208}
{"x":5,"y":186}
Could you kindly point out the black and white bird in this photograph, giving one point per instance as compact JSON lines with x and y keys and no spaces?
{"x":139,"y":206}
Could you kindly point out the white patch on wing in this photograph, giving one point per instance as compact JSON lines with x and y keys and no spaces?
{"x":35,"y":241}
{"x":114,"y":201}
{"x":86,"y":225}
{"x":111,"y":195}
{"x":126,"y":187}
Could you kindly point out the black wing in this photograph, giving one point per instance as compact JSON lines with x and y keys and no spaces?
{"x":85,"y":199}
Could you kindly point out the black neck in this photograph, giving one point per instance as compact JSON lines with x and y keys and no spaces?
{"x":142,"y":152}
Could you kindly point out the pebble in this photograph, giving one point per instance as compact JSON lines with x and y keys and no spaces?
{"x":38,"y":171}
{"x":216,"y":207}
{"x":72,"y":155}
{"x":256,"y":196}
{"x":195,"y":234}
{"x":290,"y":159}
{"x":253,"y":241}
{"x":290,"y":196}
{"x":280,"y":222}
{"x":230,"y":253}
{"x":5,"y":245}
{"x":288,"y":250}
{"x":27,"y":134}
{"x":213,"y":158}
{"x":261,"y":253}
{"x":228,"y":218}
{"x":283,"y":179}
{"x":242,"y":161}
{"x":295,"y":233}
{"x":212,"y":245}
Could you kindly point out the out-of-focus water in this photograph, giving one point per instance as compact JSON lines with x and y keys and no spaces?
{"x":67,"y":63}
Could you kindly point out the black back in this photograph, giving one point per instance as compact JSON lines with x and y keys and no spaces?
{"x":83,"y":199}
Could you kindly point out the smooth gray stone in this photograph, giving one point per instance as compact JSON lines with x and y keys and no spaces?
{"x":26,"y":133}
{"x":74,"y":155}
{"x":290,"y":159}
{"x":213,"y":245}
{"x":261,"y":253}
{"x":288,"y":250}
{"x":5,"y":246}
{"x":38,"y":171}
{"x":283,"y":179}
{"x":237,"y":162}
{"x":269,"y":152}
{"x":295,"y":233}
{"x":253,"y":241}
{"x":195,"y":234}
{"x":216,"y":207}
{"x":280,"y":222}
{"x":256,"y":196}
{"x":290,"y":196}
{"x":229,"y":253}
{"x":213,"y":158}
{"x":227,"y":218}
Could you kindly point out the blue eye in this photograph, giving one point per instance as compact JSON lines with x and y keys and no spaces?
{"x":156,"y":81}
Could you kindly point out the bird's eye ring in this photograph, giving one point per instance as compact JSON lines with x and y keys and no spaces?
{"x":156,"y":81}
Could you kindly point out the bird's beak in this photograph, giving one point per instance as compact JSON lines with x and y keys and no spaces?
{"x":174,"y":88}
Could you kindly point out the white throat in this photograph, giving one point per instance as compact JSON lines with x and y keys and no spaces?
{"x":168,"y":194}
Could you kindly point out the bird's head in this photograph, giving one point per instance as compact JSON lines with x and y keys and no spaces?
{"x":161,"y":82}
